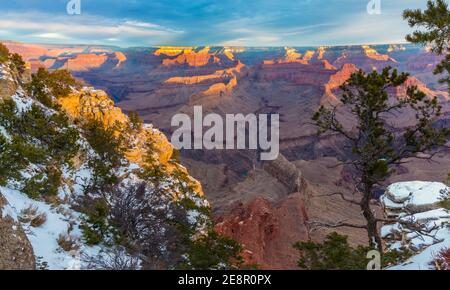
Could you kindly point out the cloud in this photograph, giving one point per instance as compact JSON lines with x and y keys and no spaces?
{"x":84,"y":28}
{"x":206,"y":22}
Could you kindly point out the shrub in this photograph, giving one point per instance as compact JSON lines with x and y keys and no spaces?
{"x":58,"y":83}
{"x":135,"y":121}
{"x":442,"y":260}
{"x":110,"y":155}
{"x":61,"y":83}
{"x":8,"y":114}
{"x":53,"y":131}
{"x":67,"y":242}
{"x":37,"y":88}
{"x":333,"y":254}
{"x":115,"y":258}
{"x":32,"y":216}
{"x":17,"y":62}
{"x":95,"y":225}
{"x":395,"y":257}
{"x":44,"y":183}
{"x":212,"y":251}
{"x":445,"y":203}
{"x":4,"y":53}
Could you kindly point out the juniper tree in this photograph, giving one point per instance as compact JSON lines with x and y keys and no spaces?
{"x":376,"y":146}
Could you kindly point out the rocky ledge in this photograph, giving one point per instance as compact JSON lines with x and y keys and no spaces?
{"x":418,"y":221}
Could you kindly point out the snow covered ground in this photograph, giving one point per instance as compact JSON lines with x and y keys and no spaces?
{"x":60,"y":220}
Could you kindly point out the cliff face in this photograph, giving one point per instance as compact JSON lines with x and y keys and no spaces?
{"x":7,"y":83}
{"x":186,"y":56}
{"x":265,"y":230}
{"x":89,"y":103}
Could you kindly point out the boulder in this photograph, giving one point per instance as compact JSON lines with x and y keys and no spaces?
{"x":16,"y":252}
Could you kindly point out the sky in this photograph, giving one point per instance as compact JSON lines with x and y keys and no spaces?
{"x":129,"y":23}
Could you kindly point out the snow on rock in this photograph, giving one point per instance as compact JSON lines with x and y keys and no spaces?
{"x":5,"y":73}
{"x":420,"y":224}
{"x":413,"y":196}
{"x":23,"y":104}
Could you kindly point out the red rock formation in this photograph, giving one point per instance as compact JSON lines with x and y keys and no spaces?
{"x":413,"y":81}
{"x":327,"y":65}
{"x":321,"y":51}
{"x":336,"y":81}
{"x":267,"y":232}
{"x":120,"y":56}
{"x":373,"y":54}
{"x":84,"y":62}
{"x":190,"y":57}
{"x":298,"y":72}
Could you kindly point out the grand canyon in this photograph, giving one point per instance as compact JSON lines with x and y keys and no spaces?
{"x":267,"y":206}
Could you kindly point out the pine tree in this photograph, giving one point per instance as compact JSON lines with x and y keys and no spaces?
{"x":436,"y":33}
{"x":436,"y":21}
{"x":376,"y":147}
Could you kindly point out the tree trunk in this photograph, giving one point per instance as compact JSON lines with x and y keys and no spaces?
{"x":372,"y":224}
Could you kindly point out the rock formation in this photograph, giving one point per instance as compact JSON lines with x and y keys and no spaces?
{"x":16,"y":252}
{"x":420,"y":224}
{"x":265,"y":230}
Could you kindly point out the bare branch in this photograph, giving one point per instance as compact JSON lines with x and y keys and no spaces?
{"x":342,"y":196}
{"x":315,"y":225}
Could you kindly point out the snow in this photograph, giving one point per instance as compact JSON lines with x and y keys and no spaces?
{"x":435,"y":214}
{"x":44,"y":238}
{"x":5,"y":74}
{"x":4,"y":133}
{"x":7,"y":210}
{"x":428,"y":194}
{"x":23,"y":104}
{"x":425,"y":193}
{"x":416,"y":203}
{"x":422,"y":260}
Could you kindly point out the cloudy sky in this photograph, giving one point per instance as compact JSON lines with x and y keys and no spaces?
{"x":205,"y":22}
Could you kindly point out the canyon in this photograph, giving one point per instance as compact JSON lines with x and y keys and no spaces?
{"x":266,"y":205}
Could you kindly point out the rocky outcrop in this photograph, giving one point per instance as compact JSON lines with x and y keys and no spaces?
{"x":335,"y":81}
{"x":187,"y":56}
{"x":267,"y":232}
{"x":7,"y":84}
{"x":88,"y":103}
{"x":216,"y":76}
{"x":321,"y":52}
{"x":286,"y":172}
{"x":373,"y":54}
{"x":413,"y":81}
{"x":419,"y":222}
{"x":84,"y":62}
{"x":16,"y":252}
{"x":295,"y":72}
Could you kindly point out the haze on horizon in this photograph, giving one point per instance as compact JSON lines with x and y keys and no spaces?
{"x":205,"y":22}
